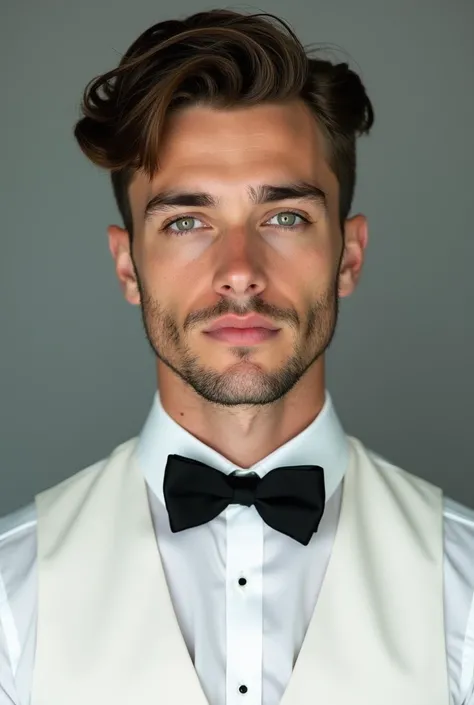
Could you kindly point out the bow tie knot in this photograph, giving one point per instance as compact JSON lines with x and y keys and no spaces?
{"x":289,"y":499}
{"x":243,"y":488}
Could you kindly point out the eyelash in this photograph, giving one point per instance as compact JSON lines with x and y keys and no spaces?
{"x":167,"y":227}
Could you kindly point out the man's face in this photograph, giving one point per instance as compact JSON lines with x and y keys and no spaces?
{"x":233,"y":251}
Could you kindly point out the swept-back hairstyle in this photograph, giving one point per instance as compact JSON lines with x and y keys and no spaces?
{"x":223,"y":59}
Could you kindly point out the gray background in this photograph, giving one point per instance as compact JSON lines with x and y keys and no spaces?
{"x":77,"y":376}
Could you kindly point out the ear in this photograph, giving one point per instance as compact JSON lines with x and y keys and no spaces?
{"x":119,"y":246}
{"x":355,"y":241}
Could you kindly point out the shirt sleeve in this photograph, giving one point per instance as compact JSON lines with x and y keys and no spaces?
{"x":17,"y":584}
{"x":8,"y":694}
{"x":469,"y":701}
{"x":467,"y":678}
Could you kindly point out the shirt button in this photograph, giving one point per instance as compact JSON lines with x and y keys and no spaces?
{"x":242,"y":581}
{"x":243,"y":689}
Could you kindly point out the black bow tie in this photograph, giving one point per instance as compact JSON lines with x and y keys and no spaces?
{"x":289,"y":499}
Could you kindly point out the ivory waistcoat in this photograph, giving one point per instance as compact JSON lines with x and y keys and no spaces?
{"x":108,"y":634}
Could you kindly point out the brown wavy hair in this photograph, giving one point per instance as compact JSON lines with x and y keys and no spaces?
{"x":222,"y":59}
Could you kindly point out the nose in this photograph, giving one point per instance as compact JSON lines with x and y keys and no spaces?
{"x":240,"y":272}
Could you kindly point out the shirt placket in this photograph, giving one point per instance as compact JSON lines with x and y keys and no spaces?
{"x":244,"y":606}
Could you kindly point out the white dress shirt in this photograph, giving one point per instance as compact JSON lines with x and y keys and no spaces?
{"x":243,"y":593}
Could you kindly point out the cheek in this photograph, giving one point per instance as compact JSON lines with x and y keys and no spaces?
{"x":171,"y":266}
{"x":157,"y":275}
{"x":316,"y":265}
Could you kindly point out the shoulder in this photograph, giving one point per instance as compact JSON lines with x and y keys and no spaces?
{"x":397,"y":479}
{"x":459,"y":518}
{"x":18,"y":528}
{"x":71,"y":493}
{"x":458,"y":526}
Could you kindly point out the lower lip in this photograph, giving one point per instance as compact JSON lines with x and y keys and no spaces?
{"x":242,"y":336}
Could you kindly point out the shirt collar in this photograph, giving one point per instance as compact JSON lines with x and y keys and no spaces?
{"x":323,"y":442}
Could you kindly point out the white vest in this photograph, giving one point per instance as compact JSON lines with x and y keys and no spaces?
{"x":108,"y":634}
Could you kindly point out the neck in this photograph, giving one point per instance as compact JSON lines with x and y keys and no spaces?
{"x":244,"y":435}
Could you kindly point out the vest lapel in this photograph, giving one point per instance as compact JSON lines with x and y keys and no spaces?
{"x":377,"y":632}
{"x":107,"y":631}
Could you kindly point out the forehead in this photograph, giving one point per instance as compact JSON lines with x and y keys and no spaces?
{"x":215,"y":150}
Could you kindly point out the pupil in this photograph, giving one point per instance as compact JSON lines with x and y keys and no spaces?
{"x":286,"y":218}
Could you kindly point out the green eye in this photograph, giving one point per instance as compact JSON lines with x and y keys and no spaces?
{"x":184,"y":224}
{"x":287,"y":219}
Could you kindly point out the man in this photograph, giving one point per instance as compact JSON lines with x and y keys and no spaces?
{"x":242,"y":549}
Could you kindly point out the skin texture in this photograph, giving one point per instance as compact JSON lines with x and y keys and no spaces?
{"x":238,"y":257}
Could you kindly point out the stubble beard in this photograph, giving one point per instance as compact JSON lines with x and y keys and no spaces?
{"x":245,"y":383}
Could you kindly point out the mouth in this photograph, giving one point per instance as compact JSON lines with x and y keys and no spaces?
{"x":243,"y":336}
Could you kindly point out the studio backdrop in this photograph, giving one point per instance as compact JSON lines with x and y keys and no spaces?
{"x":77,"y":375}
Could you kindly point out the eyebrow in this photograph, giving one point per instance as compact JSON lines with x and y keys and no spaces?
{"x":265,"y":193}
